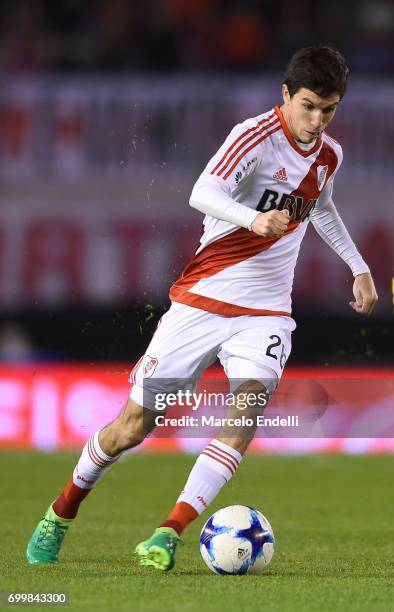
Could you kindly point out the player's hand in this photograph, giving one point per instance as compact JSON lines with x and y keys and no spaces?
{"x":365,"y":294}
{"x":272,"y":223}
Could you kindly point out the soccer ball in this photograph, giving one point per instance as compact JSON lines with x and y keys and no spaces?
{"x":237,"y":540}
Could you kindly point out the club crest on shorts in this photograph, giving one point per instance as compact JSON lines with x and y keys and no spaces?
{"x":150,"y":364}
{"x":321,"y":176}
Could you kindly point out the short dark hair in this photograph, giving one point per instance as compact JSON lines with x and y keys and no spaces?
{"x":321,"y":69}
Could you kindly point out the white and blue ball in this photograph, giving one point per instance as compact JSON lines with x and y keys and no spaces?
{"x":237,"y":540}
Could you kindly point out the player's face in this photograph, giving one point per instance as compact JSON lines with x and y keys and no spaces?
{"x":307,"y":114}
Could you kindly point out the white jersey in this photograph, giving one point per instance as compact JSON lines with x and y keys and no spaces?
{"x":234,"y":271}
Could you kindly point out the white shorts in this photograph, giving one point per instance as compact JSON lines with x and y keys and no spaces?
{"x":188,"y":340}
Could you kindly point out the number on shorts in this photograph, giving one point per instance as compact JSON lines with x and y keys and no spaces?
{"x":277,"y":342}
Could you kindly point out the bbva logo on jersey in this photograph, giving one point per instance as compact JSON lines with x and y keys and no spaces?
{"x":299,"y":209}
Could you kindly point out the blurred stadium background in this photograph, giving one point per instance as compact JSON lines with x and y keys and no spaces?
{"x":108,"y":112}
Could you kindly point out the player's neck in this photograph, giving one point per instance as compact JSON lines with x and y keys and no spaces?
{"x":306,"y":145}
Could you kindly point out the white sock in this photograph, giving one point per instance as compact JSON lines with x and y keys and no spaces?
{"x":213,"y":468}
{"x":93,"y":464}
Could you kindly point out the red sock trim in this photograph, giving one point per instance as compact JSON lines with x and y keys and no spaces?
{"x":67,"y":504}
{"x":174,"y":525}
{"x":180,"y":516}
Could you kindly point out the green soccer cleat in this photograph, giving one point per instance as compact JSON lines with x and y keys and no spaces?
{"x":159,"y":549}
{"x":47,"y":538}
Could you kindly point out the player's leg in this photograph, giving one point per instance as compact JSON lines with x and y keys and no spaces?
{"x":252,"y":366}
{"x":179,"y":327}
{"x":219,"y":460}
{"x":101,"y":451}
{"x":253,"y":358}
{"x":214,"y":467}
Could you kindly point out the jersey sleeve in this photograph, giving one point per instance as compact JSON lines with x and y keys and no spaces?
{"x":233,"y":163}
{"x":239,"y":155}
{"x":330,"y":227}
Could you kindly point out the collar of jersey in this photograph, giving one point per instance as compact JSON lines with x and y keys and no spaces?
{"x":292,"y":140}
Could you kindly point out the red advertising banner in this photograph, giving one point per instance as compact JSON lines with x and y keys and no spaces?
{"x":58,"y":407}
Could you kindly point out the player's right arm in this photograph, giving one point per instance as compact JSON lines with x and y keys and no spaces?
{"x":235,"y":162}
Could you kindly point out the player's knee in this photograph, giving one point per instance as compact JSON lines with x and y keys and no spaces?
{"x":254,"y":387}
{"x":251,"y":399}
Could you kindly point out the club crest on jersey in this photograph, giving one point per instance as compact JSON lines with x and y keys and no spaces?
{"x":150,"y":364}
{"x":321,"y":176}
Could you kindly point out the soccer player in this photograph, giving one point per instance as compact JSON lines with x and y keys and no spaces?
{"x":273,"y":175}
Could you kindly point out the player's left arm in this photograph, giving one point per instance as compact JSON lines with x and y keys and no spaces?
{"x":330,"y":227}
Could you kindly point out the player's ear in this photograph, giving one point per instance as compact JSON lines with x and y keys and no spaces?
{"x":285,"y":93}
